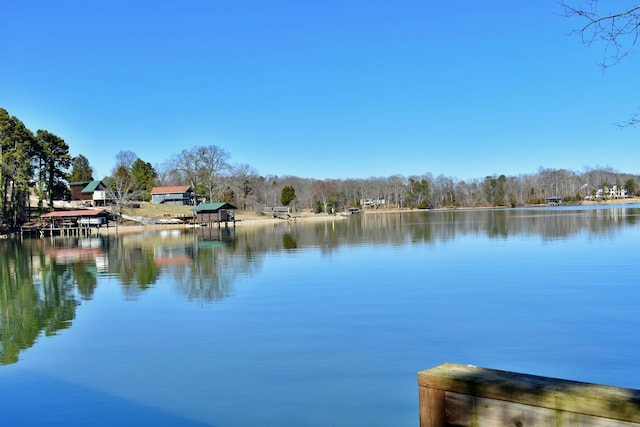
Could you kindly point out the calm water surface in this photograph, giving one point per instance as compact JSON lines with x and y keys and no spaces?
{"x":312,"y":323}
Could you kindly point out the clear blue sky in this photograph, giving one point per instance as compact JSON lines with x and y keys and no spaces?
{"x":321,"y":89}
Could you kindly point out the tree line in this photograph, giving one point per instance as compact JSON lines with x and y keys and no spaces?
{"x":38,"y":164}
{"x":208,"y":171}
{"x":29,"y":162}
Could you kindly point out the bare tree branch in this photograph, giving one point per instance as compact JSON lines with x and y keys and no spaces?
{"x":619,"y":31}
{"x":632,"y":121}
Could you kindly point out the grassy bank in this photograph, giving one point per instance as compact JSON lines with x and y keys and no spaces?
{"x":149,"y":210}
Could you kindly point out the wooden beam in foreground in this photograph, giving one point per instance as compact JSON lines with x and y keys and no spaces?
{"x":460,"y":395}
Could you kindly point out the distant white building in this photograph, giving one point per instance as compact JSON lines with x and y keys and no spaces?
{"x":611,"y":193}
{"x":372,"y":203}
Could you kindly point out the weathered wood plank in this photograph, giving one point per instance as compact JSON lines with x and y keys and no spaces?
{"x":463,"y":410}
{"x":568,"y":396}
{"x":432,"y":407}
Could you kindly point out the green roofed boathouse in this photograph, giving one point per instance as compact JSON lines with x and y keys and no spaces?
{"x":210,"y":213}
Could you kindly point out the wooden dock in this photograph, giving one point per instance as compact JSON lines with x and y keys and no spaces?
{"x":78,"y":222}
{"x":459,"y":395}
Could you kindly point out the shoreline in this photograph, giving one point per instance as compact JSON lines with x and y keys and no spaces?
{"x":255,"y":220}
{"x":241,"y":223}
{"x":628,"y":201}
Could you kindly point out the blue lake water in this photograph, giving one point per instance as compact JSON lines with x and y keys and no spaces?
{"x":312,"y":323}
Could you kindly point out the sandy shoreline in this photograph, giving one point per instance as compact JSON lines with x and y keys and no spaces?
{"x":247,"y":222}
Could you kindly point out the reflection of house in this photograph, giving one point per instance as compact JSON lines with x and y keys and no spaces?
{"x":69,"y":255}
{"x":88,"y":251}
{"x":93,"y":192}
{"x":172,"y":255}
{"x":207,"y":213}
{"x":175,"y":195}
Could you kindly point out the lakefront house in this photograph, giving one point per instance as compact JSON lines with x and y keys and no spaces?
{"x":93,"y":193}
{"x":172,"y":195}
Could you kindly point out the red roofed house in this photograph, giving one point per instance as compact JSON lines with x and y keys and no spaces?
{"x":175,"y":195}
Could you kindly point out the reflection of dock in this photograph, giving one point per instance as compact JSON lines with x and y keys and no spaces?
{"x":70,"y":230}
{"x":223,"y":234}
{"x":164,"y":256}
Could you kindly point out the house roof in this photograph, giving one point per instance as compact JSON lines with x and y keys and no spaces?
{"x":170,"y":189}
{"x":213,"y":206}
{"x":76,"y":213}
{"x":91,"y":186}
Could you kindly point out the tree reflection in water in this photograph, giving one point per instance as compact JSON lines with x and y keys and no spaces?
{"x":42,"y":281}
{"x":37,"y":297}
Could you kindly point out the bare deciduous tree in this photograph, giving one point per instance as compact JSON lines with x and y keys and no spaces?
{"x":167,"y":174}
{"x":213,"y":164}
{"x":122,"y":190}
{"x":186,"y":165}
{"x":202,"y":168}
{"x":125,"y":158}
{"x":244,"y":180}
